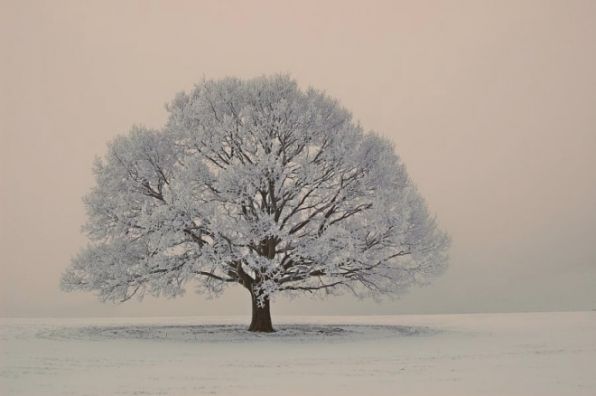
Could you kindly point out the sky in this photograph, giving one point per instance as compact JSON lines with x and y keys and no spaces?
{"x":491,"y":105}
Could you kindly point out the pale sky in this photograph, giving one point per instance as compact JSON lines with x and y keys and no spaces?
{"x":492,"y":106}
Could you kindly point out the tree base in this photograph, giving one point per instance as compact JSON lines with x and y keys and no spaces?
{"x":259,"y":328}
{"x":261,"y":317}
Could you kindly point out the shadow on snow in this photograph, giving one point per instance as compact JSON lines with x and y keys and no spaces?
{"x":236,"y":332}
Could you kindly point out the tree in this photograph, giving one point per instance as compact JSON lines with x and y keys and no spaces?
{"x":257,"y":183}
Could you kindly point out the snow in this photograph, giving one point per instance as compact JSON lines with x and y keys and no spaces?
{"x":473,"y":354}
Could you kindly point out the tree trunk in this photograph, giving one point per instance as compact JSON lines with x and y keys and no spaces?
{"x":261,"y":316}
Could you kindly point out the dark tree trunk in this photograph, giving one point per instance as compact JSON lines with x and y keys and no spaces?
{"x":261,"y":316}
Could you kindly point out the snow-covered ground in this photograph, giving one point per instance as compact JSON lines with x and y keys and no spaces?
{"x":479,"y":354}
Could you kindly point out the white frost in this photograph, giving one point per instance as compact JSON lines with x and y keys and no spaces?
{"x":259,"y":183}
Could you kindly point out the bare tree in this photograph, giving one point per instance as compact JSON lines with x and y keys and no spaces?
{"x":256,"y":183}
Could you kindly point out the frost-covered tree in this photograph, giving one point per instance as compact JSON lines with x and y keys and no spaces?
{"x":257,"y":183}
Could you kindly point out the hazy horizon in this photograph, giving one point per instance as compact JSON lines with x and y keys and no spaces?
{"x":492,"y":107}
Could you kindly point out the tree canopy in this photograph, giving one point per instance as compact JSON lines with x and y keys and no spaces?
{"x":258,"y":183}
